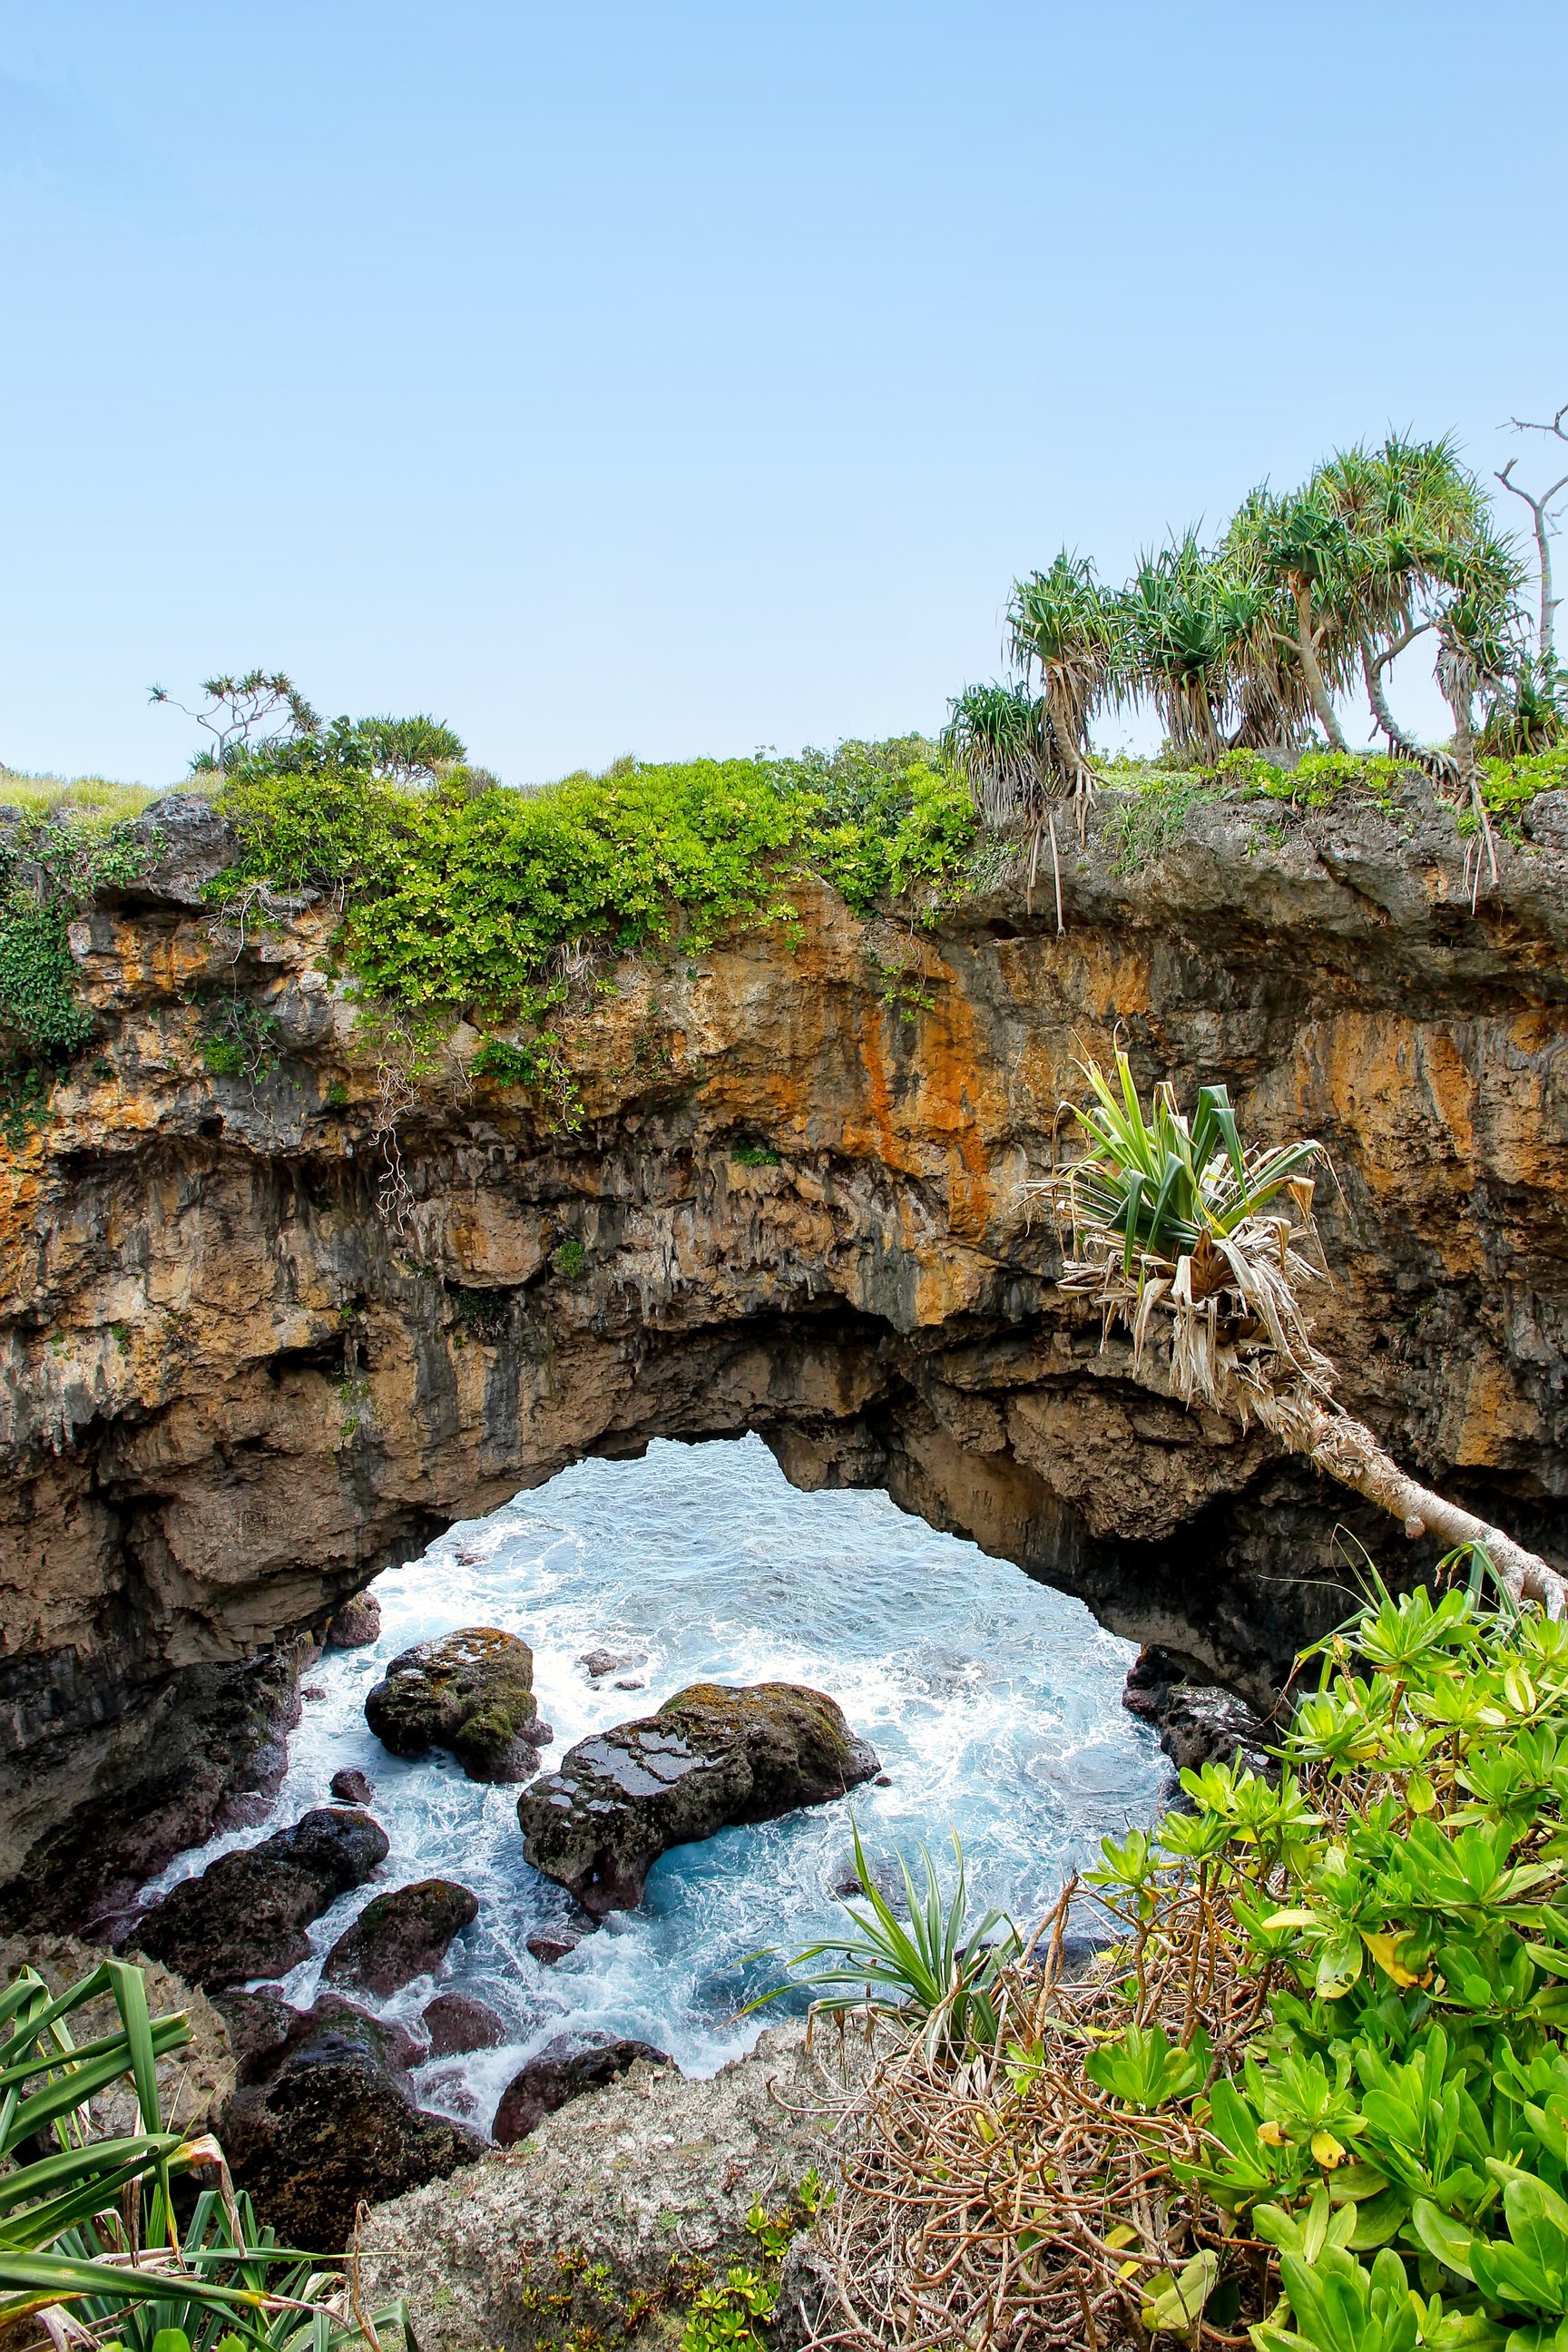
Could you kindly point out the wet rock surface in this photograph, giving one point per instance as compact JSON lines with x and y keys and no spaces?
{"x":470,"y":1691}
{"x":326,"y":2120}
{"x":649,"y":2167}
{"x":456,"y":2021}
{"x":1198,"y":1724}
{"x":564,"y":2069}
{"x":356,"y":1624}
{"x":351,"y":1788}
{"x":400,"y":1935}
{"x":710,"y":1756}
{"x":246,"y":1915}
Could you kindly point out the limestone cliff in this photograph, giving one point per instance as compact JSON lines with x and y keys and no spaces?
{"x":261,"y":1338}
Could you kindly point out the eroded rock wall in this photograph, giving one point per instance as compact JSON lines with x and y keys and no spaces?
{"x":255,"y":1346}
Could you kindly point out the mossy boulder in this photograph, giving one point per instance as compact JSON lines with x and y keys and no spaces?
{"x":326,"y":2118}
{"x":471,"y":1692}
{"x":710,"y":1758}
{"x":400,"y":1935}
{"x":245,"y":1917}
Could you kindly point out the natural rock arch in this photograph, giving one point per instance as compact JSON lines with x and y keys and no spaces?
{"x":242,"y":1373}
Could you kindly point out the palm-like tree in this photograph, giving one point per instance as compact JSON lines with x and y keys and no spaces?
{"x":1194,"y":626}
{"x":1178,"y":1229}
{"x":1062,"y":631}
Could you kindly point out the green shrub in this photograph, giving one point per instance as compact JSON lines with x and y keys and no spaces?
{"x":504,"y":1065}
{"x":571,"y":1260}
{"x":753,"y":1155}
{"x":73,"y":2214}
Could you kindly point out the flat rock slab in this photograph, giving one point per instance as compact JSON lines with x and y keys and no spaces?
{"x":246,"y":1915}
{"x":710,"y":1756}
{"x":328,"y":2119}
{"x":471,"y":1692}
{"x":652,"y":2169}
{"x":564,"y":2069}
{"x":400,"y":1935}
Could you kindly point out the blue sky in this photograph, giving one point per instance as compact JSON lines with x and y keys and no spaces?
{"x":674,"y":377}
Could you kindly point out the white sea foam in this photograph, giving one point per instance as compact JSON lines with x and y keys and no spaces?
{"x":992,"y":1702}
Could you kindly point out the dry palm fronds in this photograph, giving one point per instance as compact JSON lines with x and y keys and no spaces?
{"x":1182,"y":1233}
{"x":1009,"y":2201}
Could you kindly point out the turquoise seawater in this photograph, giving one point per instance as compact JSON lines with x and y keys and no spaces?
{"x":993,"y":1702}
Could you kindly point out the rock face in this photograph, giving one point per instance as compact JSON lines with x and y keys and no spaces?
{"x":400,"y":1935}
{"x":650,"y":2169}
{"x":710,"y":1756}
{"x":327,"y":2119}
{"x":244,"y":1915}
{"x":564,"y":2070}
{"x":471,"y":1692}
{"x":231,"y":1391}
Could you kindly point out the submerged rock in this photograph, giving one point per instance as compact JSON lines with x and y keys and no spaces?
{"x":351,"y":1788}
{"x":244,"y":1915}
{"x":564,"y":2070}
{"x":549,"y":1945}
{"x":456,"y":2021}
{"x":597,"y":1663}
{"x":327,"y":2120}
{"x":471,"y":1692}
{"x":710,"y":1756}
{"x":400,"y":1935}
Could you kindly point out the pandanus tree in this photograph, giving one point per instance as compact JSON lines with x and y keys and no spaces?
{"x":1192,"y":628}
{"x":1203,"y":1247}
{"x":1062,"y":633}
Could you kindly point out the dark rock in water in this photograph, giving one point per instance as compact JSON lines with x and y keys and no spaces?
{"x":564,"y":2070}
{"x":1198,"y":1723}
{"x":553,"y":1944}
{"x":328,"y":2120}
{"x":632,"y":1681}
{"x":400,"y":1935}
{"x":244,"y":1916}
{"x":597,"y":1663}
{"x":710,"y":1756}
{"x":356,"y":1624}
{"x":456,"y":2021}
{"x":258,"y":2023}
{"x":473,"y":1693}
{"x":351,"y":1788}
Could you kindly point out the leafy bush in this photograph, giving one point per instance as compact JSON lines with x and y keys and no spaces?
{"x":726,"y":2318}
{"x":1321,"y":2085}
{"x":753,"y":1155}
{"x":571,"y":1260}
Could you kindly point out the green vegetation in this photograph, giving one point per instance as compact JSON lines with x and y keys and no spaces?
{"x":70,"y":2217}
{"x":570,"y":1260}
{"x":51,"y":864}
{"x":1204,"y":1248}
{"x":728,"y":2317}
{"x":753,"y":1155}
{"x":1249,"y":645}
{"x":1318,"y":2088}
{"x":940,"y":1967}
